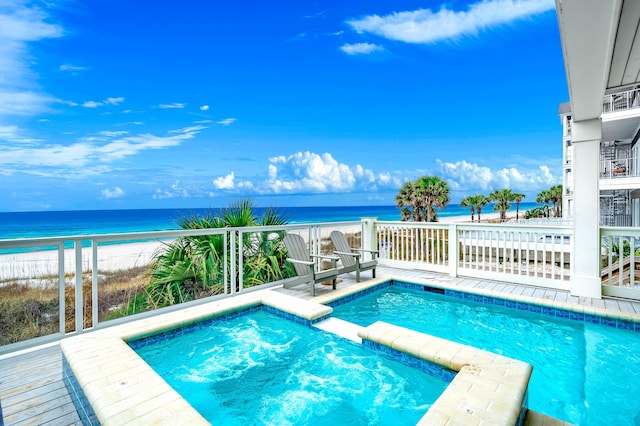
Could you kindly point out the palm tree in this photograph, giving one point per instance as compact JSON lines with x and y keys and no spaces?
{"x":466,"y":202}
{"x":502,"y":197}
{"x":419,"y":200}
{"x":405,"y":200}
{"x":555,"y":196}
{"x":476,"y":203}
{"x":518,"y":199}
{"x":544,"y":196}
{"x":433,"y":192}
{"x":479,"y":201}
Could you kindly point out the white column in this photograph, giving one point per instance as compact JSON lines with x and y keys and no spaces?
{"x":369,"y":237}
{"x":585,"y":254}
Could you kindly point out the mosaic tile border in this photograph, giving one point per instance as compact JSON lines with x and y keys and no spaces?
{"x":546,"y":310}
{"x":409,"y":360}
{"x":186,"y":329}
{"x":83,"y":407}
{"x":189,"y":328}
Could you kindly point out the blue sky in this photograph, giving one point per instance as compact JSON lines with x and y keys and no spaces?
{"x":111,"y":104}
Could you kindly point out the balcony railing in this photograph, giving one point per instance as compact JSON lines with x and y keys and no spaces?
{"x":68,"y":283}
{"x":621,"y":101}
{"x":619,"y":168}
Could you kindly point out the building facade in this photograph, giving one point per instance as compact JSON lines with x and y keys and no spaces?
{"x":619,"y":162}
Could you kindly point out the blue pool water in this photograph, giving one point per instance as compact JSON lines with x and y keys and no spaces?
{"x":583,"y":373}
{"x":259,"y":368}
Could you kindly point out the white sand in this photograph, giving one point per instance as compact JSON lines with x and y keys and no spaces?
{"x":111,"y":257}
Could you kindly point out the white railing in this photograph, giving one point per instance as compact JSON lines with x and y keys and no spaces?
{"x":528,"y":254}
{"x":73,"y":269}
{"x":66,"y":277}
{"x":621,"y":101}
{"x":532,"y":254}
{"x":619,"y":168}
{"x":414,"y":245}
{"x":620,"y":261}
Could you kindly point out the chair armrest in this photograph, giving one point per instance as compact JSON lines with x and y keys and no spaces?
{"x":348,"y":253}
{"x":321,"y":256}
{"x":302,"y":262}
{"x":368,"y":251}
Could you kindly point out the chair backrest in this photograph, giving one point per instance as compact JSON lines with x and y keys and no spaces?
{"x":340,"y":243}
{"x":297,"y":250}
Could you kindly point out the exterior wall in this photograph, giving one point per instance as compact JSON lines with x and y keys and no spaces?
{"x":619,"y":164}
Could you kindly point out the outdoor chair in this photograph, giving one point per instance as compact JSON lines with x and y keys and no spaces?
{"x":351,"y":259}
{"x":305,"y":266}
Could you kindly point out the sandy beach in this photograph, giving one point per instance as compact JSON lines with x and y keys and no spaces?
{"x":30,"y":266}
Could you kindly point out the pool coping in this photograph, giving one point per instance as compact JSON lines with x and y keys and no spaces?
{"x":118,"y":387}
{"x":121,"y":388}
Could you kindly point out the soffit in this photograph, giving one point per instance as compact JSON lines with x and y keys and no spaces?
{"x":588,"y":30}
{"x":625,"y":63}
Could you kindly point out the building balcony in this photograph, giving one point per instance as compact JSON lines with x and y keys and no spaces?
{"x":619,"y":168}
{"x":621,"y":101}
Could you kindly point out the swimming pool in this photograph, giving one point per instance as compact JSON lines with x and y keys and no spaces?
{"x":584,"y":373}
{"x":259,"y":368}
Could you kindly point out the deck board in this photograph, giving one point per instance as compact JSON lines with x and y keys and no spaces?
{"x":32,"y":391}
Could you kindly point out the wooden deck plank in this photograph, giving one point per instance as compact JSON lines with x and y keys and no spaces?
{"x":626,"y":306}
{"x":561,"y":296}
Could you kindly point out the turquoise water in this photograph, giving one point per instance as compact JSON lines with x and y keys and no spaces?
{"x":583,"y":373}
{"x":87,"y":222}
{"x":262,"y":369}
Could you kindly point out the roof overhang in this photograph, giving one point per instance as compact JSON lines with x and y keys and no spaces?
{"x":601,"y":50}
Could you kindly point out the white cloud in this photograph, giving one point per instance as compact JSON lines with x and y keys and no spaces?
{"x":226,"y":121}
{"x":174,"y":105}
{"x":87,"y":156}
{"x":360,"y":48}
{"x":116,"y":192}
{"x":72,"y":68}
{"x":113,"y":134}
{"x":173,"y":192}
{"x":470,"y":177}
{"x":426,"y":26}
{"x":224,"y":182}
{"x":204,"y":108}
{"x":311,"y":172}
{"x":22,"y":23}
{"x":108,"y":101}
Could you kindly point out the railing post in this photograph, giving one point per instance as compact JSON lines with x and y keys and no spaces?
{"x":369,"y":237}
{"x":234,"y":260}
{"x":453,"y":250}
{"x":94,"y":283}
{"x":78,"y":287}
{"x":62,"y":323}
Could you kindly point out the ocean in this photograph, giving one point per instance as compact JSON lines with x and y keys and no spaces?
{"x":89,"y":222}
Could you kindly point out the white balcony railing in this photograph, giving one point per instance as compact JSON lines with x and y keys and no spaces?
{"x":620,"y":261}
{"x":72,"y":272}
{"x":621,"y":101}
{"x":619,"y":168}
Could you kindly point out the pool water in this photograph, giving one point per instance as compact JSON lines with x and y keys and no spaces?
{"x":583,"y":373}
{"x":259,"y":368}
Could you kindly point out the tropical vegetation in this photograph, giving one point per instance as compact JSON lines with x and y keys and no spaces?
{"x":419,"y":200}
{"x":475,"y":203}
{"x":502,"y":198}
{"x":193,"y":267}
{"x":551,"y":196}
